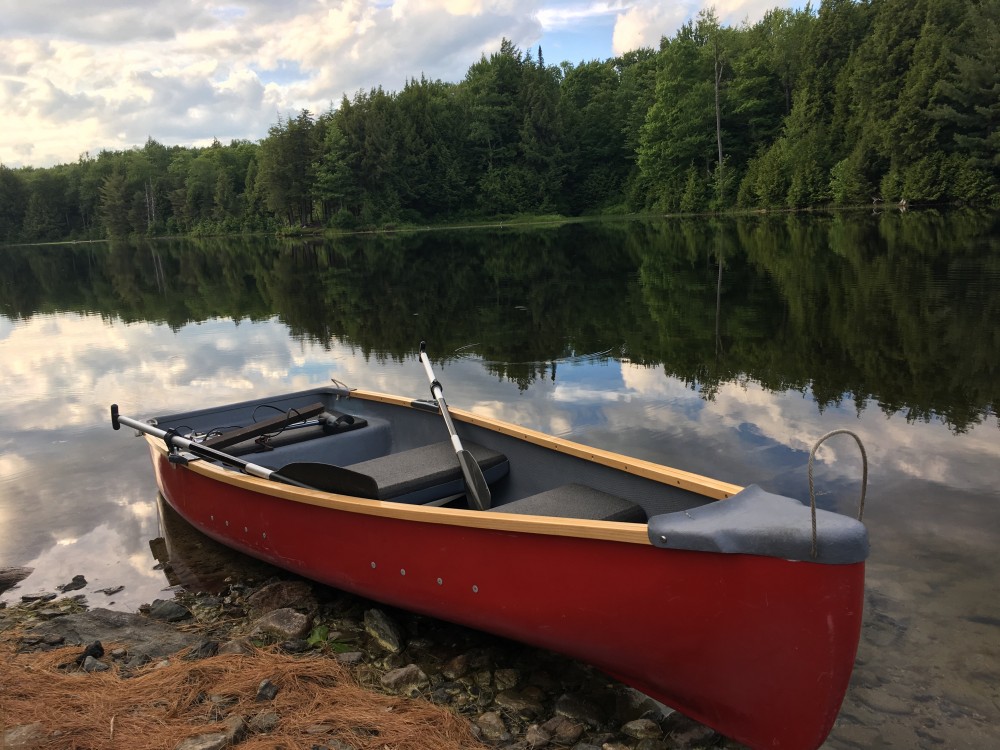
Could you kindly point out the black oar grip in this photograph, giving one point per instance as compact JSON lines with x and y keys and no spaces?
{"x":114,"y":417}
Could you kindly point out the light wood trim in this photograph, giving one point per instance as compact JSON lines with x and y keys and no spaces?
{"x":631,"y":533}
{"x":685,"y":480}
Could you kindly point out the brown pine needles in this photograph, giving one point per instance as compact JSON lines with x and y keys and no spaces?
{"x":317,"y":701}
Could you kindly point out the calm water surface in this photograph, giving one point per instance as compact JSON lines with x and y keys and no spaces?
{"x":630,"y":336}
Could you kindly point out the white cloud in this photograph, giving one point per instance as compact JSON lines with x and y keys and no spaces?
{"x":187,"y":72}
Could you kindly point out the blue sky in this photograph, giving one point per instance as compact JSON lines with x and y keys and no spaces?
{"x":189,"y":71}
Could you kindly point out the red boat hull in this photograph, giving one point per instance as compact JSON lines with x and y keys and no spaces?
{"x":761,"y":649}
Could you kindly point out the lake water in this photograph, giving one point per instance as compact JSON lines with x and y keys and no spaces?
{"x":630,"y":336}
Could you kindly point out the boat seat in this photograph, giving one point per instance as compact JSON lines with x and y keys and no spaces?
{"x":576,"y":501}
{"x":425,"y":474}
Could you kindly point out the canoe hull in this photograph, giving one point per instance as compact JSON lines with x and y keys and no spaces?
{"x":759,"y":648}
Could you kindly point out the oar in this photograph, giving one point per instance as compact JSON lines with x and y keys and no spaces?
{"x":312,"y":476}
{"x":475,"y":482}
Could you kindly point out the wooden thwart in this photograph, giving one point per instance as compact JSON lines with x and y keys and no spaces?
{"x":268,"y":425}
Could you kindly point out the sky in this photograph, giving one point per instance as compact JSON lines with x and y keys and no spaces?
{"x":108,"y":74}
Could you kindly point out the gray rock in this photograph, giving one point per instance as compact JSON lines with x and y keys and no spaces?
{"x":578,"y":708}
{"x":518,"y":703}
{"x":492,"y":727}
{"x":25,"y":737}
{"x":406,"y":680}
{"x":640,"y":729}
{"x":266,"y":691}
{"x":265,"y":721}
{"x":168,"y":611}
{"x":144,"y":636}
{"x":283,"y":623}
{"x":506,"y":678}
{"x":615,"y":746}
{"x":650,"y":744}
{"x":456,"y":667}
{"x":10,"y":577}
{"x":687,"y":733}
{"x":296,"y":595}
{"x":90,"y":664}
{"x":386,"y":631}
{"x":535,"y":736}
{"x":238,"y":646}
{"x":38,"y":596}
{"x":235,"y":728}
{"x":564,"y":731}
{"x":210,"y":741}
{"x":203,"y":650}
{"x":76,"y":584}
{"x":351,"y":658}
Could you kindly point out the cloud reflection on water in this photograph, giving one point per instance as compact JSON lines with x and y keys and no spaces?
{"x":65,"y":475}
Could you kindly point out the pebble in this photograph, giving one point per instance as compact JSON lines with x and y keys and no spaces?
{"x":642,"y":729}
{"x":386,"y":631}
{"x":283,"y":623}
{"x":492,"y":727}
{"x":579,"y":708}
{"x":90,"y":664}
{"x":168,"y":610}
{"x":266,"y":691}
{"x":408,"y":680}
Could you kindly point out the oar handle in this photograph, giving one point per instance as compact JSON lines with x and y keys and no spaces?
{"x":173,"y":440}
{"x":436,"y":391}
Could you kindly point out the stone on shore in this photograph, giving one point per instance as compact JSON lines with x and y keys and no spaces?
{"x":26,"y":737}
{"x":386,"y":631}
{"x":295,"y":595}
{"x":10,"y":577}
{"x":408,"y":680}
{"x":283,"y":624}
{"x":168,"y":610}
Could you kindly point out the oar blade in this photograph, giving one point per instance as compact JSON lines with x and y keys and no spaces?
{"x":328,"y":478}
{"x":475,"y":482}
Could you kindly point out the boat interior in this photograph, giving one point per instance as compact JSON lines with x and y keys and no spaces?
{"x":402,"y":453}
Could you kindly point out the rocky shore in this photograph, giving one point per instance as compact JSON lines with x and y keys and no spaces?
{"x":503,"y":695}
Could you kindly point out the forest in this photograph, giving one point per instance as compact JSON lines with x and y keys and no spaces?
{"x":849,"y":103}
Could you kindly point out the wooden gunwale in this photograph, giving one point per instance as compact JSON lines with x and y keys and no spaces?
{"x":607,"y":530}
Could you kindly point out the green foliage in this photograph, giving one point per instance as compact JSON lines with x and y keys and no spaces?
{"x":855,"y":100}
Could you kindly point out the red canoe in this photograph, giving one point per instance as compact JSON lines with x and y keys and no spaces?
{"x":706,"y":596}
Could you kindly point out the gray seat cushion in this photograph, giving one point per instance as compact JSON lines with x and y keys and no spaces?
{"x":427,"y":473}
{"x":576,"y":501}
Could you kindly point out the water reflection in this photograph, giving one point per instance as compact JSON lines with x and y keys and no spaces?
{"x":623,"y":336}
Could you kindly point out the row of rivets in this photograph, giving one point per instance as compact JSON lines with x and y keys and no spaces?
{"x":440,"y":581}
{"x":246,"y":530}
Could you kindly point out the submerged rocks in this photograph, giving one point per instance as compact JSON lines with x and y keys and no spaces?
{"x":11,"y":576}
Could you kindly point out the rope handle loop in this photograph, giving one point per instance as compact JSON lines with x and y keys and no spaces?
{"x":812,"y":489}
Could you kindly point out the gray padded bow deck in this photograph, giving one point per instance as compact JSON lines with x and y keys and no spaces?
{"x":755,"y":522}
